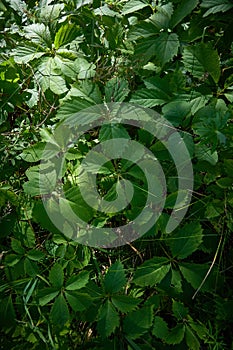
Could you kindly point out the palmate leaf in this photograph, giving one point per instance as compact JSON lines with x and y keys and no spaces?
{"x":169,"y":336}
{"x":138,"y":322}
{"x":115,"y":278}
{"x":151,"y":272}
{"x":108,"y":319}
{"x":186,"y":240}
{"x":216,"y":6}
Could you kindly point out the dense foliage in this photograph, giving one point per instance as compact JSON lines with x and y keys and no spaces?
{"x":162,"y":291}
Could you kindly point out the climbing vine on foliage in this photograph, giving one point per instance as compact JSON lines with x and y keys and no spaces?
{"x":162,"y":291}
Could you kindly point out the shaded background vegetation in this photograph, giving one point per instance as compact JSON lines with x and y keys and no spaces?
{"x":163,"y":291}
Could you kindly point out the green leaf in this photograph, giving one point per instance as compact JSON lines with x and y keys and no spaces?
{"x":133,"y":6}
{"x":142,"y":30}
{"x":77,"y":282}
{"x":176,"y":335}
{"x":160,"y":328}
{"x":191,"y":339}
{"x":78,"y":301}
{"x":8,"y":315}
{"x":108,"y":319}
{"x":59,"y":312}
{"x":195,"y":273}
{"x":161,"y":18}
{"x":214,"y":6}
{"x":151,"y":272}
{"x":186,"y":240}
{"x":148,"y":98}
{"x":39,"y":183}
{"x":179,"y":311}
{"x":184,"y":9}
{"x":66,"y":33}
{"x":176,"y":111}
{"x":71,"y":107}
{"x":27,"y":53}
{"x":138,"y":322}
{"x":125,"y":303}
{"x":35,"y":255}
{"x":201,"y":58}
{"x":46,"y":295}
{"x":38,"y":33}
{"x":48,"y":76}
{"x":56,"y":276}
{"x":17,"y":247}
{"x":112,"y":131}
{"x":116,"y":90}
{"x":167,"y":46}
{"x":115,"y":278}
{"x":37,"y":152}
{"x":203,"y":153}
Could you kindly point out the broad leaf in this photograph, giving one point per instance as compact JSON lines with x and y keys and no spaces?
{"x":116,"y":90}
{"x":77,"y":282}
{"x":148,"y":98}
{"x":39,"y":183}
{"x":138,"y":322}
{"x":162,"y":16}
{"x":176,"y":335}
{"x":59,"y":313}
{"x":195,"y":274}
{"x":108,"y":319}
{"x":166,"y":47}
{"x":115,"y":278}
{"x":78,"y":301}
{"x":65,"y":35}
{"x":184,"y":9}
{"x":186,"y":240}
{"x":39,"y":34}
{"x":56,"y":276}
{"x":125,"y":303}
{"x":27,"y":53}
{"x":133,"y":6}
{"x":49,"y":78}
{"x":151,"y":272}
{"x":160,"y":328}
{"x":202,"y":58}
{"x":214,"y":6}
{"x":46,"y":295}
